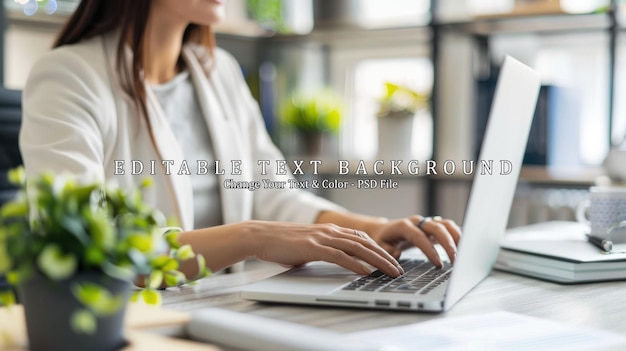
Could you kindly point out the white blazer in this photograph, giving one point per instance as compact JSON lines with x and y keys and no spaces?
{"x":77,"y":119}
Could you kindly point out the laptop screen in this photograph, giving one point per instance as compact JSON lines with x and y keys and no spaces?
{"x":493,"y":188}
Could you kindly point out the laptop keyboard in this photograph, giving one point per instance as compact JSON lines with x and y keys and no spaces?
{"x":420,"y":277}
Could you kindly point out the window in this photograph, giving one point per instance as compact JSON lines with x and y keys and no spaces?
{"x":394,"y":13}
{"x":619,"y":114}
{"x":368,"y":87}
{"x":577,"y":65}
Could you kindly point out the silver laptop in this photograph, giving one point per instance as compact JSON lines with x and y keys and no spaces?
{"x":424,"y":287}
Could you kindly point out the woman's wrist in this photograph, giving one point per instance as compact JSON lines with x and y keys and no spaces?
{"x":368,"y":224}
{"x":249,"y":235}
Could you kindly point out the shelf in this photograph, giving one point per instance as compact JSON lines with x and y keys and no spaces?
{"x":561,"y":176}
{"x":530,"y":24}
{"x":16,"y":16}
{"x":479,"y":26}
{"x":539,"y":175}
{"x":358,"y":37}
{"x":546,"y":176}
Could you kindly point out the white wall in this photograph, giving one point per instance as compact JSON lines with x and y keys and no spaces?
{"x":24,"y":45}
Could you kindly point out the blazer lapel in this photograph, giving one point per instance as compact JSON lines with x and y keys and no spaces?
{"x":235,"y":203}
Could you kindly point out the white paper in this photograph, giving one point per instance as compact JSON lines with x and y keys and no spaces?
{"x":558,"y":239}
{"x":493,"y":331}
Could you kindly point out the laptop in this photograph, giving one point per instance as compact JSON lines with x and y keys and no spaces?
{"x":424,"y":287}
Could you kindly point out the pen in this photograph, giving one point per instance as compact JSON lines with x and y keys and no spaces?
{"x":605,"y":245}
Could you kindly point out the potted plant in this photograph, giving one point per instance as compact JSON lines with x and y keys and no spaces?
{"x":73,"y":250}
{"x":396,"y":113}
{"x":313,"y":117}
{"x":269,"y":14}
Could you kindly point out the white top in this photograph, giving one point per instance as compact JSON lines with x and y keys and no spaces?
{"x":180,"y":104}
{"x":77,"y":118}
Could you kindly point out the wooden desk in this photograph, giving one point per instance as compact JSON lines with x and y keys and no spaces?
{"x":600,"y":305}
{"x":143,"y":324}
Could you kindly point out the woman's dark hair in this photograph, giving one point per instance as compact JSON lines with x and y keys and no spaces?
{"x":130,"y":17}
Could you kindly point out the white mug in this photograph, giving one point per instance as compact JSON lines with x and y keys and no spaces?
{"x":605,"y":207}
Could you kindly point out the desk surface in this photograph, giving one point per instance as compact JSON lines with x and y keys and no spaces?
{"x":142,"y":323}
{"x":599,"y":305}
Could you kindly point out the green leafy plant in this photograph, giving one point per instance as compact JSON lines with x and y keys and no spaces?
{"x":313,"y":114}
{"x":269,"y":14}
{"x":401,"y":101}
{"x":60,"y":227}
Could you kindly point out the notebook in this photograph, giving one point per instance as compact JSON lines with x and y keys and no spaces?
{"x":423,"y":287}
{"x":559,"y":252}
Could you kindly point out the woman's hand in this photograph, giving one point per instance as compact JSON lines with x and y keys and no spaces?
{"x":423,"y":232}
{"x":296,"y":244}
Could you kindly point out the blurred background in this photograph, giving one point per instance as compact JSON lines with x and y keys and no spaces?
{"x":403,"y":79}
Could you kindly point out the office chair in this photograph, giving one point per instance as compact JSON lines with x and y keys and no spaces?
{"x":10,"y":157}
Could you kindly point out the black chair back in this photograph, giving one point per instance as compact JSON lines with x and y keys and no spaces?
{"x":10,"y":157}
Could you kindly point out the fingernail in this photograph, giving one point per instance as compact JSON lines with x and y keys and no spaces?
{"x":400,"y":269}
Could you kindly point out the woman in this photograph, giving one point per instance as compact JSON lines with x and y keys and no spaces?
{"x":140,"y":83}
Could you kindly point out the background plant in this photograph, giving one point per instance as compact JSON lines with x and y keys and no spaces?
{"x":61,"y":227}
{"x":315,"y":113}
{"x":269,"y":14}
{"x":401,"y":101}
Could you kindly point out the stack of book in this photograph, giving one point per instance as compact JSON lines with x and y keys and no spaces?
{"x":558,"y":252}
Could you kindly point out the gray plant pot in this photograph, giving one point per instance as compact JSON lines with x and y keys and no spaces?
{"x":49,"y":306}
